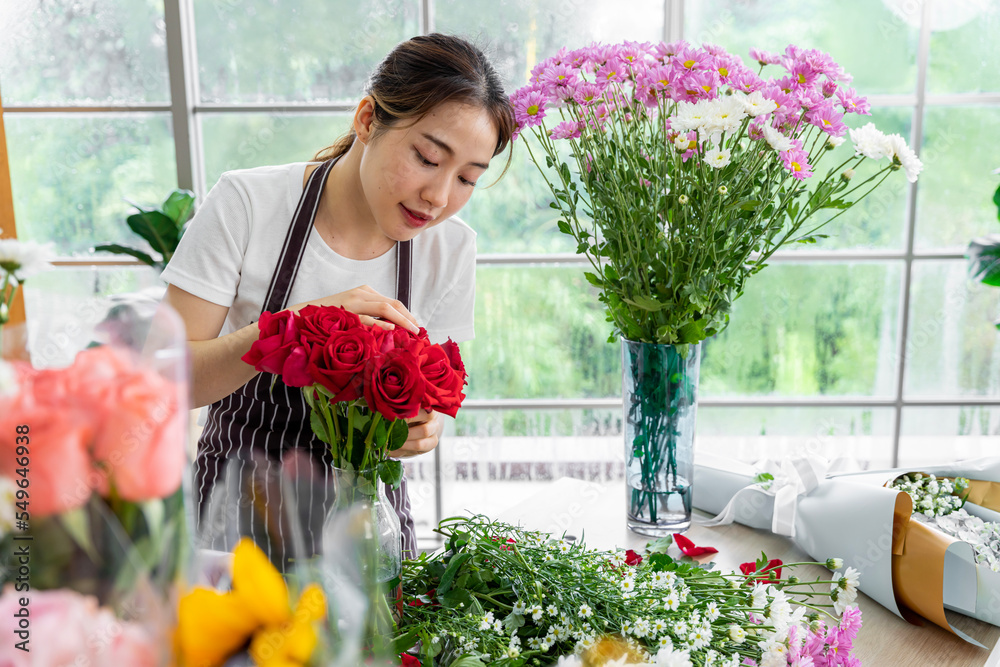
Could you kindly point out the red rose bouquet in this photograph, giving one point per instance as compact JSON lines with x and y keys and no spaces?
{"x":360,"y":382}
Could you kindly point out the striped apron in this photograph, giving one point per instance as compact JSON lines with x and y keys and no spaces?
{"x":258,"y":448}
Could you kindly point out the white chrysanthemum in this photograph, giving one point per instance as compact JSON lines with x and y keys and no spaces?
{"x":672,"y":601}
{"x":627,"y":627}
{"x":718,"y":157}
{"x":552,"y":610}
{"x":666,"y":642}
{"x":776,"y":139}
{"x":569,"y":661}
{"x":759,"y":596}
{"x":520,"y":607}
{"x":536,"y":611}
{"x":712,"y":611}
{"x":912,"y":165}
{"x":628,"y":584}
{"x":487,"y":621}
{"x":776,"y":655}
{"x":560,"y":632}
{"x":669,"y":657}
{"x":871,"y":142}
{"x":548,"y":557}
{"x":737,"y":634}
{"x":833,"y":142}
{"x":698,"y":639}
{"x":849,"y":581}
{"x":659,"y":627}
{"x":641,"y":628}
{"x":726,"y":114}
{"x":534,"y":643}
{"x":564,"y":547}
{"x":690,"y":116}
{"x":585,"y":611}
{"x":23,"y":259}
{"x":498,"y":626}
{"x":756,"y":104}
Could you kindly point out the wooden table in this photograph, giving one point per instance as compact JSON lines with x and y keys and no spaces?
{"x":596,"y":513}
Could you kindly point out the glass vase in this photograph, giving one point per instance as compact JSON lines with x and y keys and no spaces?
{"x":362,"y":509}
{"x":659,"y":386}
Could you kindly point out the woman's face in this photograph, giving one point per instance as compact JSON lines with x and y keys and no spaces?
{"x":418,"y":174}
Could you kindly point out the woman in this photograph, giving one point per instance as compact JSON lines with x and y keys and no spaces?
{"x":369,"y":226}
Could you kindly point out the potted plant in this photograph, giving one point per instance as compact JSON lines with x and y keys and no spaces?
{"x":161,"y":227}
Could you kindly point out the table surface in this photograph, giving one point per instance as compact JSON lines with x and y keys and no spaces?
{"x":596,"y":513}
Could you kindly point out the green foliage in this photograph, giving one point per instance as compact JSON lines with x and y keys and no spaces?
{"x":161,"y":228}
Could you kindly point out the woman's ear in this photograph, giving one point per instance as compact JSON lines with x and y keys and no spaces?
{"x":364,"y":119}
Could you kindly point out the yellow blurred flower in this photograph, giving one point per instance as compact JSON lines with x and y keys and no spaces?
{"x":212,"y":626}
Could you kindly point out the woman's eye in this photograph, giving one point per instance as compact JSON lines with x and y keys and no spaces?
{"x":466,"y":181}
{"x":424,"y":160}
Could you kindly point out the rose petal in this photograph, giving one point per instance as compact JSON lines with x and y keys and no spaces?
{"x":688,"y":547}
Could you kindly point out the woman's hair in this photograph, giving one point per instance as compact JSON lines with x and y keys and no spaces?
{"x":428,"y":70}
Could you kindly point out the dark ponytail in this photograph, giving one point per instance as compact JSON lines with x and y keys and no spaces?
{"x":424,"y":72}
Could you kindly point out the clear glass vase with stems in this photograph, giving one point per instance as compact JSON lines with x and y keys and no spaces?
{"x":361,"y":501}
{"x":659,"y":387}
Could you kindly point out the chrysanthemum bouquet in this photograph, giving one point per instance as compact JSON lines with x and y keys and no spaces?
{"x":689,"y":170}
{"x":500,"y":595}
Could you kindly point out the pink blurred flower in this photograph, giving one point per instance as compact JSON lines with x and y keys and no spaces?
{"x":692,"y":59}
{"x":566,"y":130}
{"x":587,"y":94}
{"x":613,"y":70}
{"x":854,"y":103}
{"x":557,"y":79}
{"x":826,"y":117}
{"x":765,"y":57}
{"x":796,"y":161}
{"x":698,"y":86}
{"x":74,"y":630}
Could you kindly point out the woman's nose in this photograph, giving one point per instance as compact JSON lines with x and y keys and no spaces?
{"x":435,"y":193}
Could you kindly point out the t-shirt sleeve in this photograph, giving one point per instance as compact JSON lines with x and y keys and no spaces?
{"x":209,"y":258}
{"x":453,"y":316}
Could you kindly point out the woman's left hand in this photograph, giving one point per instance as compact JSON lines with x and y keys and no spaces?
{"x":425,"y":430}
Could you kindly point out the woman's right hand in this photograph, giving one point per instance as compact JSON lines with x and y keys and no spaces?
{"x":372,"y":307}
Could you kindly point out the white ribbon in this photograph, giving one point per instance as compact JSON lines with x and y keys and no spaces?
{"x":793,"y":478}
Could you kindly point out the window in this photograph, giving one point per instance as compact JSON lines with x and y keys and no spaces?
{"x":872,"y":344}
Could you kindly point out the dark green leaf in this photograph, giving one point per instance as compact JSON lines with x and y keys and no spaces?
{"x":390,"y":471}
{"x":449,"y":574}
{"x":405,"y":641}
{"x":159,"y":230}
{"x":593,"y":279}
{"x":318,"y":427}
{"x":455,"y":598}
{"x":996,"y":200}
{"x":660,"y":545}
{"x":178,"y":206}
{"x":984,"y":259}
{"x":565,"y":228}
{"x":126,"y":250}
{"x":646,"y":303}
{"x":397,"y":437}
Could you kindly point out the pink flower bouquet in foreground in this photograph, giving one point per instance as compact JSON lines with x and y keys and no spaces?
{"x":680,"y":170}
{"x":91,"y":457}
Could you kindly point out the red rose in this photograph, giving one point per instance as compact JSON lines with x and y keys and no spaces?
{"x":454,"y":356}
{"x":339,"y":364}
{"x":407,"y":660}
{"x":277,"y":340}
{"x":316,"y":323}
{"x":444,"y":384}
{"x":398,"y":338}
{"x":770,"y":572}
{"x":632,"y":558}
{"x":394,"y":386}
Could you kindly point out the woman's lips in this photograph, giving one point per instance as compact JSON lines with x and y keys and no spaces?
{"x":414,"y":219}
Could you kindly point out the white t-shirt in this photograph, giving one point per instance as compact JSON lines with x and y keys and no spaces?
{"x":230,"y":250}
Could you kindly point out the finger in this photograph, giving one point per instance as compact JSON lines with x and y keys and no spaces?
{"x":421,"y":417}
{"x":387,"y":311}
{"x":368,"y":320}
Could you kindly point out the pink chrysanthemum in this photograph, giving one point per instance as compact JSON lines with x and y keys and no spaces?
{"x":567,"y":129}
{"x":664,"y":51}
{"x":788,"y":105}
{"x":697,"y":86}
{"x":803,"y":75}
{"x":826,"y":117}
{"x":587,"y":94}
{"x":796,"y":161}
{"x":613,"y":70}
{"x":854,"y":103}
{"x":691,"y":59}
{"x":658,"y":77}
{"x":765,"y":57}
{"x":529,"y":107}
{"x":745,"y":80}
{"x":829,"y":88}
{"x":559,"y":81}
